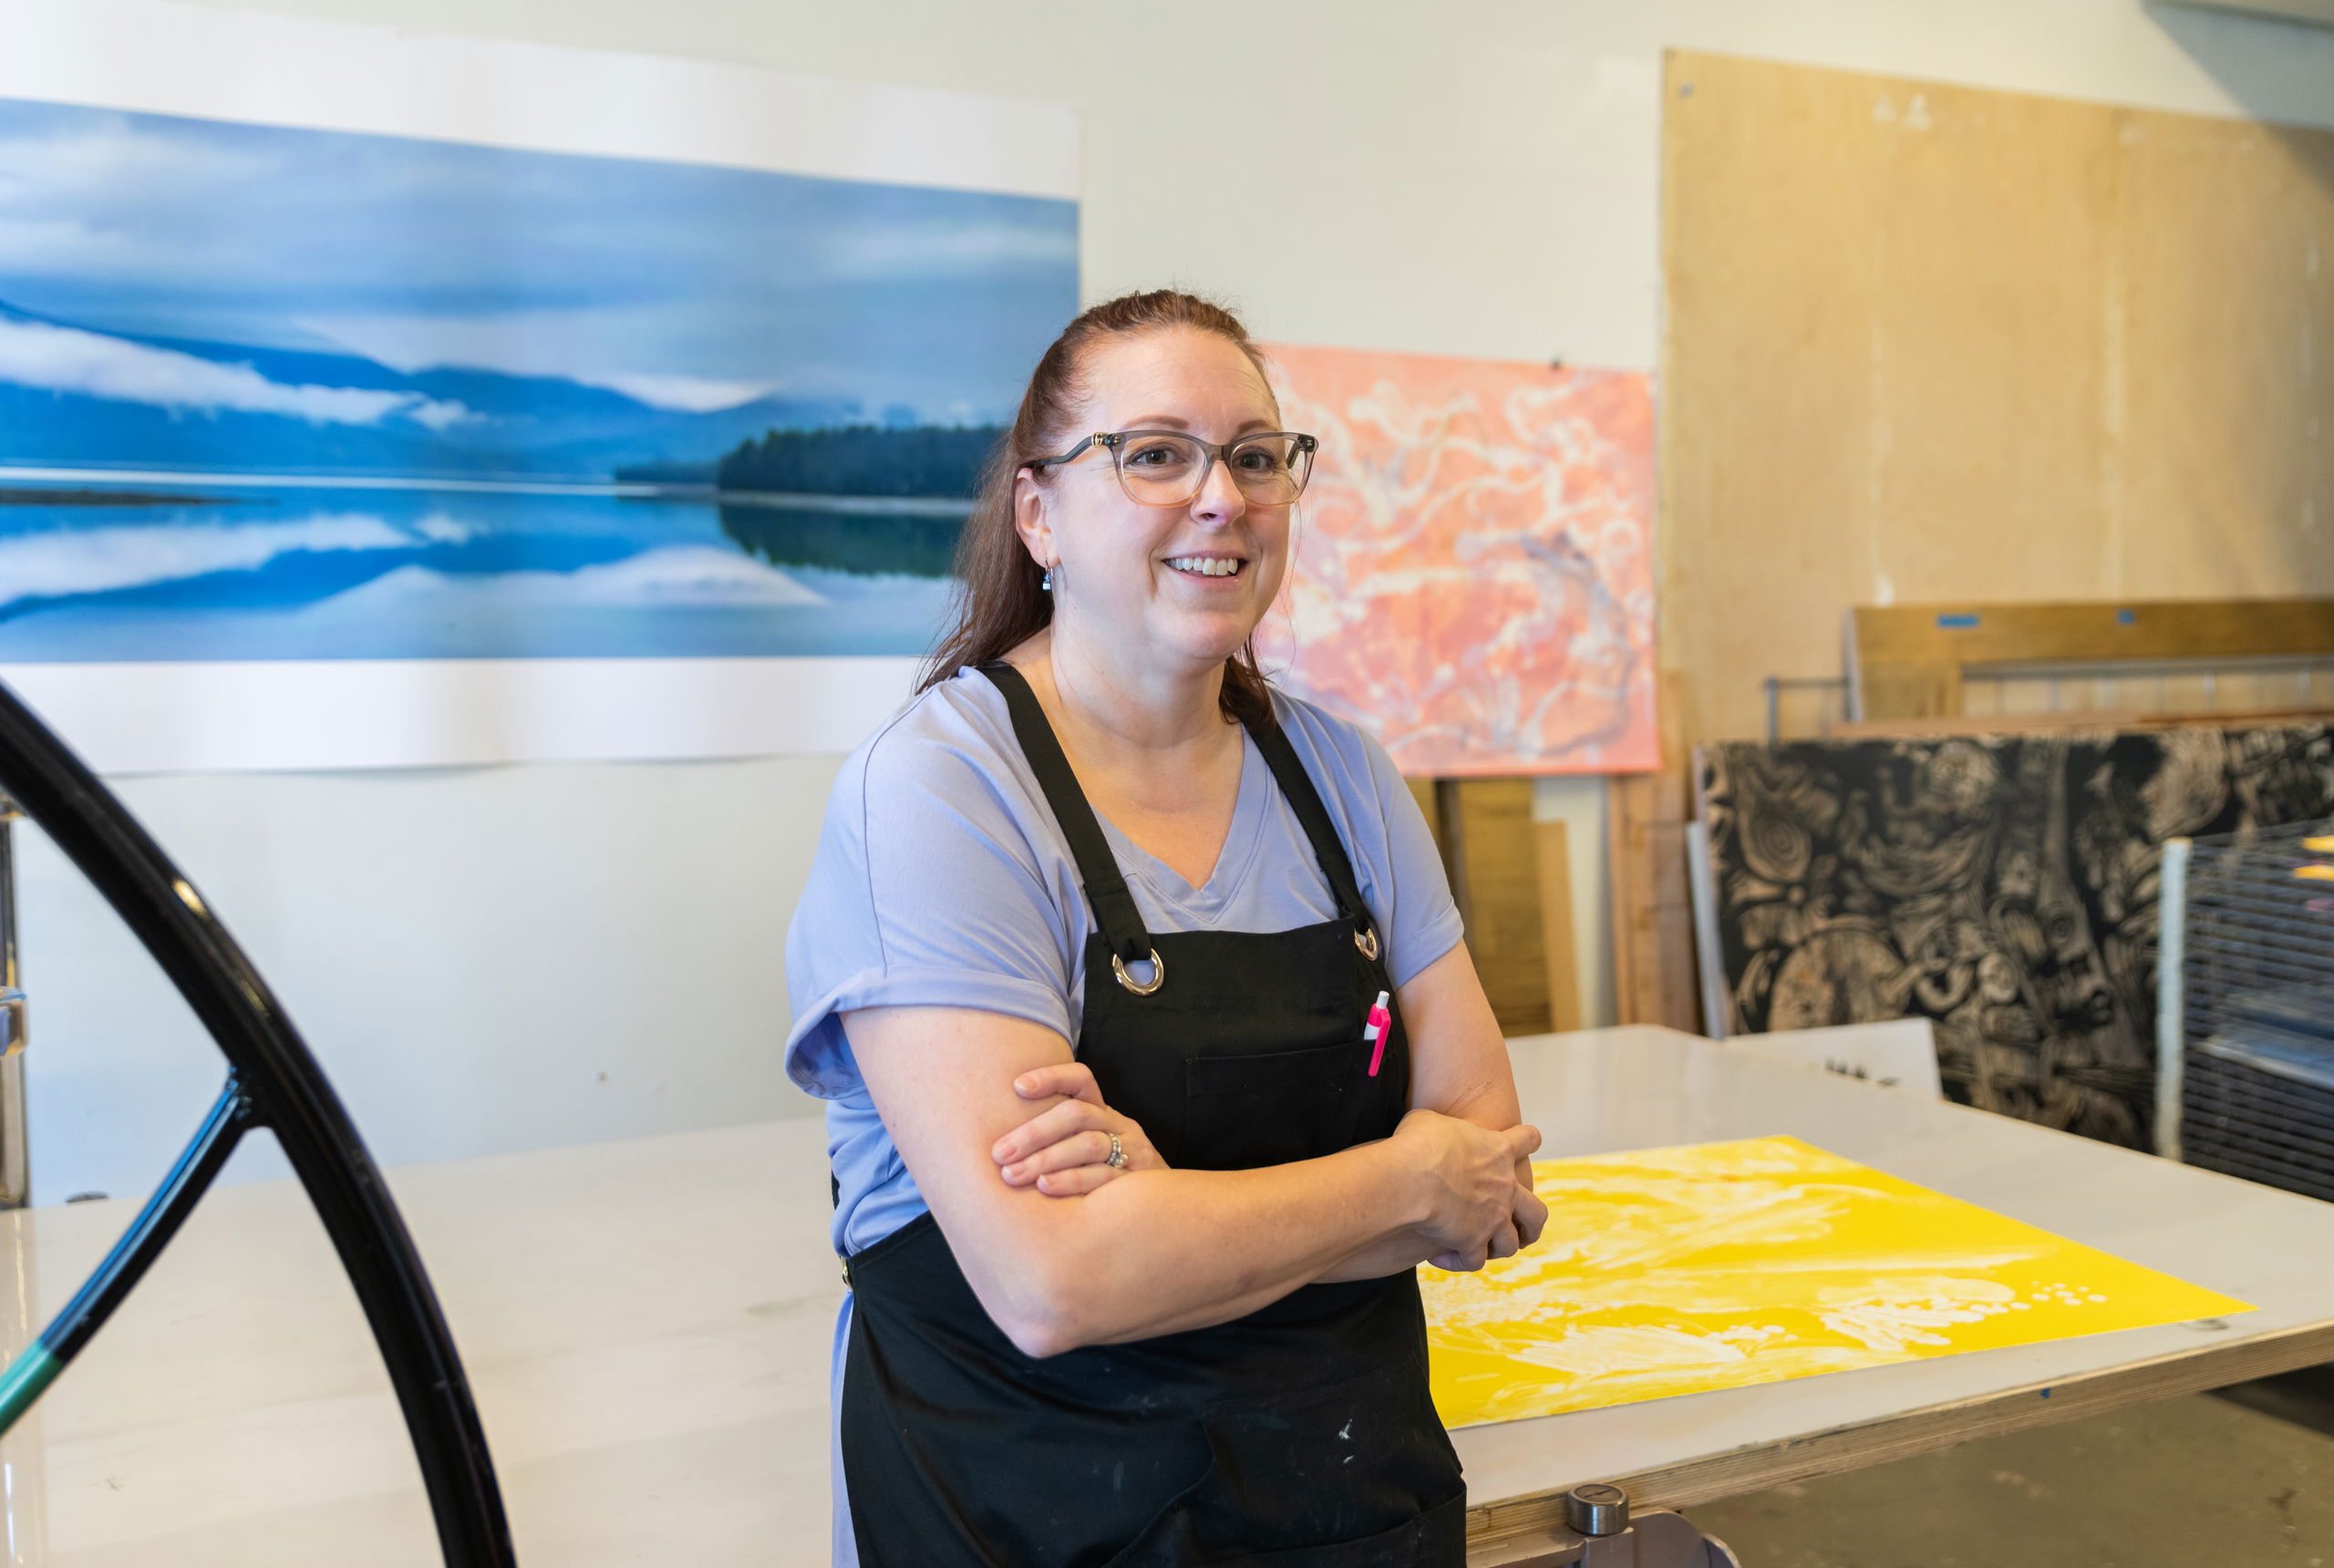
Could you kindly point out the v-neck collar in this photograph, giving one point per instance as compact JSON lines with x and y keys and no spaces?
{"x":1249,"y":810}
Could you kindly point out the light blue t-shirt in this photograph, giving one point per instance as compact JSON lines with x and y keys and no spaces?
{"x":942,"y":879}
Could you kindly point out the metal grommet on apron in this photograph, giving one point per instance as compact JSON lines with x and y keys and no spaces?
{"x":1304,"y":1428}
{"x":1140,"y":989}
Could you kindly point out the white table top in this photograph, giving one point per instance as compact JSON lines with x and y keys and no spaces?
{"x":1644,"y":1088}
{"x":647,"y":1325}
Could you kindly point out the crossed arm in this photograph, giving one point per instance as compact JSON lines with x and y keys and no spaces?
{"x":1158,"y":1250}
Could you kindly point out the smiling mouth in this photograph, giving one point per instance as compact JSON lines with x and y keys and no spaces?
{"x":1208,"y":565}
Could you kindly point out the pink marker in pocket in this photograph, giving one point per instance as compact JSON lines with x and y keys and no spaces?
{"x":1381,"y":1024}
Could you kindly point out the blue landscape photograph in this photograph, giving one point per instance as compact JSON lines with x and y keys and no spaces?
{"x":271,"y":393}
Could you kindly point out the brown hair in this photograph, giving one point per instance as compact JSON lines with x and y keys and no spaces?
{"x":999,"y":602}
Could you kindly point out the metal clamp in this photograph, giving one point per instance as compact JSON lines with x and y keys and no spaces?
{"x":1598,"y":1508}
{"x":1367,"y":940}
{"x":1599,"y":1531}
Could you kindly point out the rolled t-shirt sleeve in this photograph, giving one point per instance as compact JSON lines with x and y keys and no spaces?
{"x":1413,"y":902}
{"x":1394,"y":858}
{"x":926,"y":891}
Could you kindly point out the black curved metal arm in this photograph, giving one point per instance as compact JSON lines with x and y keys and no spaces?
{"x":27,"y":1377}
{"x":274,"y":1082}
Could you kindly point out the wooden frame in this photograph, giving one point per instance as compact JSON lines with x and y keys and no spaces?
{"x":1910,"y":661}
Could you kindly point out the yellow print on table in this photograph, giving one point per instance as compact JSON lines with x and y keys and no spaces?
{"x":1678,"y":1271}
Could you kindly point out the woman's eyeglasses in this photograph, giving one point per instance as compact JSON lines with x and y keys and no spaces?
{"x":1167,"y":468}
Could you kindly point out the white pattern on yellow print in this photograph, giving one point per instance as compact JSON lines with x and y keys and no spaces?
{"x":1893,"y":1315}
{"x":1678,"y":1271}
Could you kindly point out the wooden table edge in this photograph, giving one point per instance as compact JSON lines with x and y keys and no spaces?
{"x":1509,"y":1520}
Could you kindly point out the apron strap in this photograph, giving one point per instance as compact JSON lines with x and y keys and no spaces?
{"x":1106,"y":889}
{"x":1296,"y":786}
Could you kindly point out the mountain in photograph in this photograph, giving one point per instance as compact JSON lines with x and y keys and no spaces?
{"x":77,"y":396}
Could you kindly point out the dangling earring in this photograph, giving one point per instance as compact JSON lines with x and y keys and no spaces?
{"x":1046,"y":582}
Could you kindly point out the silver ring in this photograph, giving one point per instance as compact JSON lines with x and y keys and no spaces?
{"x":1117,"y":1159}
{"x":1158,"y":974}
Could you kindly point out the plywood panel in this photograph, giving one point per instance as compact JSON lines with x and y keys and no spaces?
{"x":1653,"y":921}
{"x":1973,"y":633}
{"x":1915,"y":661}
{"x":1556,"y":943}
{"x":1932,"y":344}
{"x":1511,"y":876}
{"x":1492,"y":849}
{"x":2226,"y":282}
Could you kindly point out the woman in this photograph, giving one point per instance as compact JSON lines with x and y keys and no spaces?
{"x":1099,"y":868}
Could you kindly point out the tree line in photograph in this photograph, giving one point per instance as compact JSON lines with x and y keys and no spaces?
{"x":928,"y":460}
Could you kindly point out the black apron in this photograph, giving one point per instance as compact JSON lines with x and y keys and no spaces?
{"x":1300,"y":1436}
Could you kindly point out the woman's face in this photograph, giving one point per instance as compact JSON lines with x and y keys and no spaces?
{"x":1153,"y":579}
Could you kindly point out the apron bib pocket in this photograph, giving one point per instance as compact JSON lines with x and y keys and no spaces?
{"x":1275,"y":1107}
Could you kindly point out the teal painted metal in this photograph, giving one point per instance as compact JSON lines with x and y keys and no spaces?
{"x":24,"y":1382}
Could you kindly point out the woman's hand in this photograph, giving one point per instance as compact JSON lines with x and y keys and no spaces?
{"x":1530,"y":1216}
{"x":1480,"y":1204}
{"x":1063,"y":1151}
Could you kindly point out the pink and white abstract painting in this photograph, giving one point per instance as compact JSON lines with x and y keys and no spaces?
{"x":1473,"y":572}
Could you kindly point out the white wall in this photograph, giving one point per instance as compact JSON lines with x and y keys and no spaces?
{"x":484,"y":959}
{"x":469,"y":951}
